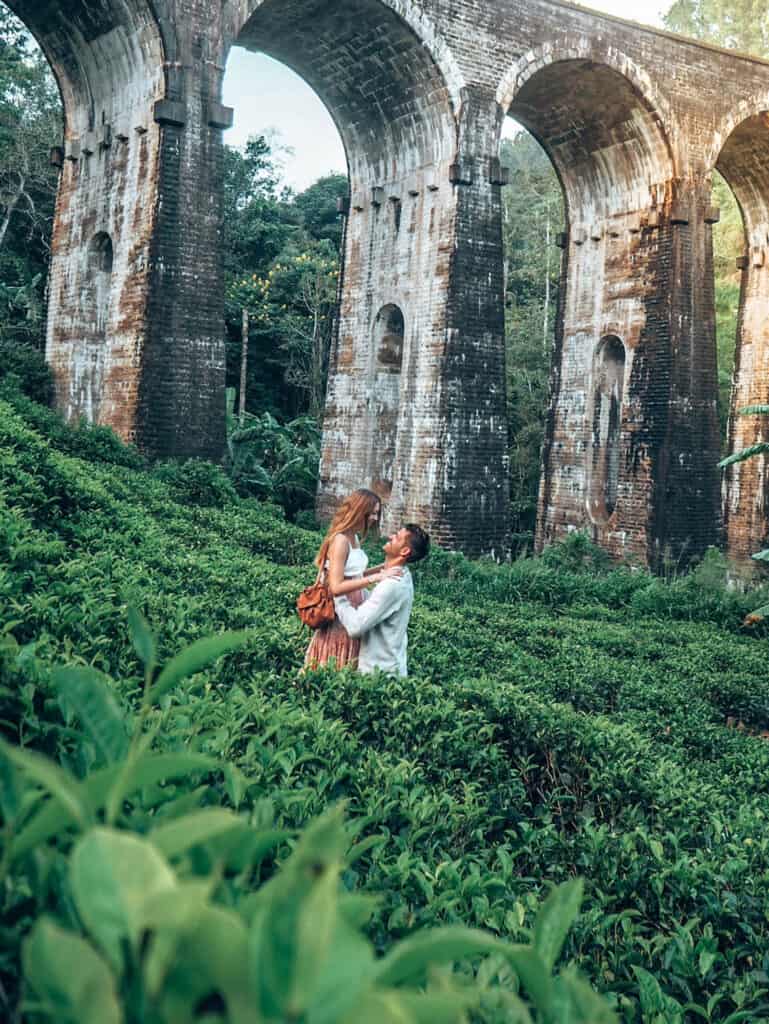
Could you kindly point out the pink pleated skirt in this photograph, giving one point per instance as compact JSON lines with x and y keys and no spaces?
{"x":333,"y":643}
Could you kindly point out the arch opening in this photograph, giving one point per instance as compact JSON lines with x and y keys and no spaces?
{"x":606,"y":143}
{"x":32,"y":117}
{"x":609,"y":149}
{"x":284,"y":179}
{"x":371,"y":72}
{"x":379,"y":77}
{"x":533,"y":218}
{"x":741,"y":165}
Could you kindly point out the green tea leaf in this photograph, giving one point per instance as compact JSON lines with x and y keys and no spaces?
{"x":438,"y":1007}
{"x":555,"y":918}
{"x":245,"y":848}
{"x":170,"y":916}
{"x":653,"y":1000}
{"x":87,"y":694}
{"x":113,"y":875}
{"x":195,"y":658}
{"x":363,"y":847}
{"x":574,"y":1000}
{"x":409,"y":960}
{"x":212,"y":958}
{"x":346,"y":974}
{"x":142,"y":638}
{"x":56,"y":816}
{"x":60,"y":784}
{"x":176,"y":837}
{"x":65,"y":971}
{"x":294,"y":916}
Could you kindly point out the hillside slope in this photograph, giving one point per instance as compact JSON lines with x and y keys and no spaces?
{"x":556,"y":722}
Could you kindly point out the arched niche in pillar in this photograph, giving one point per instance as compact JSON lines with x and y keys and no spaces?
{"x":604,"y":451}
{"x":742,"y":162}
{"x":387,"y":346}
{"x":98,"y":286}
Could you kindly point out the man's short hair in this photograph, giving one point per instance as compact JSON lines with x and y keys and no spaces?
{"x":419,"y":542}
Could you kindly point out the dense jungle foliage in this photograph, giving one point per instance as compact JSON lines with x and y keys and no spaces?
{"x":562,"y":721}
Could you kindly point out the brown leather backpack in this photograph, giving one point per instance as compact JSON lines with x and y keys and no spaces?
{"x":315,"y":605}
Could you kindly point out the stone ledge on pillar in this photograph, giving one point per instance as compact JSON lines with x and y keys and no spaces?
{"x":219,"y":116}
{"x":498,"y":175}
{"x":170,"y":113}
{"x":461,"y":173}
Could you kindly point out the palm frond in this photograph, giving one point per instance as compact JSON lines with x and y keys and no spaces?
{"x":762,"y":448}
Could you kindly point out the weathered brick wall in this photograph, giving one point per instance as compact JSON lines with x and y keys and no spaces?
{"x":633,"y":119}
{"x":109,"y":180}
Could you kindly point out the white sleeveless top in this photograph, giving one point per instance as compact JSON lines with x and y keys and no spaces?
{"x":357,"y":561}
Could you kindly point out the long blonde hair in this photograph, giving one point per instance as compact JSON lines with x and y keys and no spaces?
{"x":352,"y":514}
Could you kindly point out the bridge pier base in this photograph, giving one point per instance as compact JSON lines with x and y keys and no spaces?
{"x":632,"y":444}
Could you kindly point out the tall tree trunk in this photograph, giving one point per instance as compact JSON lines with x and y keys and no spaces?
{"x":9,"y":212}
{"x":243,"y":368}
{"x":546,"y":318}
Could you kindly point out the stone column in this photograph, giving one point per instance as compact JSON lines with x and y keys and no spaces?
{"x":631,"y":442}
{"x":416,"y":400}
{"x":135,"y":324}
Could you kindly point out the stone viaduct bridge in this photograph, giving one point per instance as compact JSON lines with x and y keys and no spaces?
{"x":634,"y":121}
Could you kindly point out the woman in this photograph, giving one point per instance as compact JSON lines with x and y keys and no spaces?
{"x":343,"y":564}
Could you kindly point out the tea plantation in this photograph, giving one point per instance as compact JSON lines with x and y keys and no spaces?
{"x":173,"y":846}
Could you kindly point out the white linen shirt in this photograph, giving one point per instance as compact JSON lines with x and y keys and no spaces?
{"x":381,"y":623}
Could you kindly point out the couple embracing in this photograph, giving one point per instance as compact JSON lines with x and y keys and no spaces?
{"x":370,"y":626}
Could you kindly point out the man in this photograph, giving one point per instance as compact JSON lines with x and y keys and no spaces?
{"x":382,"y":620}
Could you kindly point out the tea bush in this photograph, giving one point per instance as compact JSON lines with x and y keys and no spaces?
{"x":557,"y":723}
{"x":141,"y":908}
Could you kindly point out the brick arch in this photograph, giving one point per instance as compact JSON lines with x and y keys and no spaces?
{"x":737,"y":115}
{"x":102,"y":56}
{"x":605,"y":152}
{"x":564,"y":49}
{"x":383,"y":71}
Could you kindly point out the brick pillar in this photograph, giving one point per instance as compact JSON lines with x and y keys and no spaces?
{"x":135,"y":328}
{"x":183,"y":374}
{"x":746,"y":501}
{"x":428,"y":243}
{"x":636,"y":343}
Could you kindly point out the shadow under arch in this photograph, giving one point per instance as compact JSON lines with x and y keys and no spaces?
{"x":604,"y":138}
{"x":742,"y":162}
{"x":387,"y":94}
{"x":100,"y":55}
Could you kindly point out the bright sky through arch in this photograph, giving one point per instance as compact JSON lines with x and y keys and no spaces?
{"x":269,"y":97}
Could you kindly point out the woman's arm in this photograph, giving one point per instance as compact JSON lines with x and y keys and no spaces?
{"x":338,"y":584}
{"x":374,"y":569}
{"x":337,"y":557}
